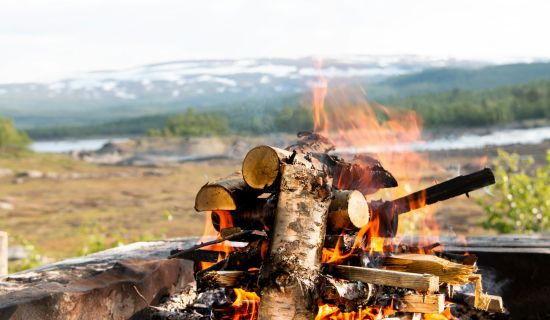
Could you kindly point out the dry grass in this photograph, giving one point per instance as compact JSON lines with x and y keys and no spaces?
{"x":124,"y":203}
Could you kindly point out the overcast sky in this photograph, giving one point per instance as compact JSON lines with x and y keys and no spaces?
{"x":44,"y":40}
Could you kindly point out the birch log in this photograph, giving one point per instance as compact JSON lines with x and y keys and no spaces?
{"x":262,"y":168}
{"x":290,"y":274}
{"x":223,"y":194}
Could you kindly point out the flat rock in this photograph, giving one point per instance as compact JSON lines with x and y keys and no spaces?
{"x":112,"y":284}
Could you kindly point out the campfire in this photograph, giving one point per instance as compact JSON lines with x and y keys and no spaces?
{"x":297,"y":236}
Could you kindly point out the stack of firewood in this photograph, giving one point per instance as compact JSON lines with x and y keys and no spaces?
{"x":296,"y":231}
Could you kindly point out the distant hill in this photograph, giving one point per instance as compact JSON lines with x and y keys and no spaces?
{"x":445,"y":79}
{"x":252,"y":88}
{"x":454,"y":108}
{"x":107,"y":95}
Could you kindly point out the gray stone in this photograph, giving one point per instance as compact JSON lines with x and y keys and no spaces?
{"x":112,"y":284}
{"x":30,"y":174}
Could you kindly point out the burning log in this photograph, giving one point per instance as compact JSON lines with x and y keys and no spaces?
{"x":262,"y":168}
{"x":422,"y":282}
{"x":469,"y":259}
{"x":294,"y":196}
{"x":311,"y":142}
{"x":422,"y":303}
{"x":388,"y":211}
{"x":442,"y":191}
{"x":244,"y":236}
{"x":224,"y":194}
{"x":346,"y":293}
{"x":447,"y":271}
{"x":291,"y":270}
{"x":227,"y":279}
{"x":348,"y":210}
{"x":256,"y":214}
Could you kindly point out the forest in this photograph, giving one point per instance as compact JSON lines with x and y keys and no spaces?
{"x":456,"y":108}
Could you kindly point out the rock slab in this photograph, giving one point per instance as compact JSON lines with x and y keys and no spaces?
{"x":112,"y":284}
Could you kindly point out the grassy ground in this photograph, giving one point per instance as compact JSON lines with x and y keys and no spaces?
{"x":60,"y":216}
{"x":63,"y":215}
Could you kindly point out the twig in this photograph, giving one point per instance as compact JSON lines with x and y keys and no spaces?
{"x":205,"y":244}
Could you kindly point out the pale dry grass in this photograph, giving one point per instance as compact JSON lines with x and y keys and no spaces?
{"x":125,"y":203}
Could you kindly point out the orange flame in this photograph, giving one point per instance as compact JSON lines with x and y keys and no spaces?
{"x":319,"y":92}
{"x":209,"y":234}
{"x":357,"y":126}
{"x":246,"y":305}
{"x":374,"y":243}
{"x":332,"y":312}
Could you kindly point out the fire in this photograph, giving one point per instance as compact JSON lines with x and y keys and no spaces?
{"x":358,"y":126}
{"x":374,"y":243}
{"x":246,"y":305}
{"x":209,"y":234}
{"x":332,"y":312}
{"x":320,"y":121}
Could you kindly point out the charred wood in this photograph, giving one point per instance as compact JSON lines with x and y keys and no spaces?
{"x":255,"y":215}
{"x":227,"y":279}
{"x":348,"y":211}
{"x":242,"y":236}
{"x":311,"y":142}
{"x":364,"y":173}
{"x":388,"y":211}
{"x":469,"y":259}
{"x":262,"y":168}
{"x":350,"y":294}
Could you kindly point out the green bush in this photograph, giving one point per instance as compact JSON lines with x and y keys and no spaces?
{"x":521,"y":201}
{"x":34,"y":258}
{"x":11,"y":140}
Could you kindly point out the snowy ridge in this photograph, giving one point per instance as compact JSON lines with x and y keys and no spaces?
{"x":179,"y":79}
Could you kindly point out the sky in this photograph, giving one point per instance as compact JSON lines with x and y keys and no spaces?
{"x":46,"y":40}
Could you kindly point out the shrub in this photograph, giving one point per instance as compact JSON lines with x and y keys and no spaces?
{"x":11,"y":140}
{"x":521,"y":201}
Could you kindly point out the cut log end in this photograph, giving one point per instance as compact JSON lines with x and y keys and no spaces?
{"x":261,"y":167}
{"x":223,"y":194}
{"x":214,"y":197}
{"x":349,"y":210}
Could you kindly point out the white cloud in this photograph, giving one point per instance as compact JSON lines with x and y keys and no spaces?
{"x":44,"y":40}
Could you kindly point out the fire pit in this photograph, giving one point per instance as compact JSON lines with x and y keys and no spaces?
{"x":297,"y":239}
